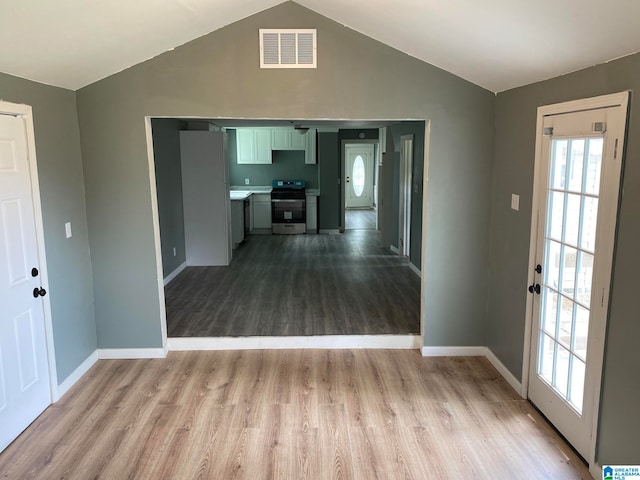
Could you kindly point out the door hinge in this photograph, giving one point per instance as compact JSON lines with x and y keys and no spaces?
{"x":547,"y":131}
{"x":599,"y":127}
{"x":615,"y":150}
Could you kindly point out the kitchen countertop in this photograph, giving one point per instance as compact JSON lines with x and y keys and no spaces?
{"x":240,"y":193}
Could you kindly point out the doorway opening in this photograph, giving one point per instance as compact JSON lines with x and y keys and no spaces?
{"x":361,"y":185}
{"x":323,"y":249}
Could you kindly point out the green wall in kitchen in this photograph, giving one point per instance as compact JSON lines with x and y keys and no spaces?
{"x":166,"y":149}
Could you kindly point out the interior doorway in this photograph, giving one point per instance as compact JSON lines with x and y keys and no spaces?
{"x":360,"y":180}
{"x":406,"y":182}
{"x":360,"y":183}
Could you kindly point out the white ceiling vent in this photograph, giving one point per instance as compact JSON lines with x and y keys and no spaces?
{"x":288,"y":48}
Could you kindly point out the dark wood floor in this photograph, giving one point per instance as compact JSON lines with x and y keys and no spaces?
{"x":291,"y":414}
{"x":360,"y":219}
{"x":283,"y":285}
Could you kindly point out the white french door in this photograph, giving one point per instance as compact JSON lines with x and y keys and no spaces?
{"x":359,"y":176}
{"x":578,"y":178}
{"x":24,"y":369}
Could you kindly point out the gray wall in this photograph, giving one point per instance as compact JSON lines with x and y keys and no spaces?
{"x":329,"y":173}
{"x":218,"y":75}
{"x":513,"y":173}
{"x":166,"y":150}
{"x":286,"y":165}
{"x":62,"y":195}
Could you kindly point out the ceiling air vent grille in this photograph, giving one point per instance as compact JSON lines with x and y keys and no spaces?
{"x":288,"y":48}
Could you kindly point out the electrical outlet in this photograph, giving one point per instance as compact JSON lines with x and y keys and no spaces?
{"x":246,"y":181}
{"x":174,"y":251}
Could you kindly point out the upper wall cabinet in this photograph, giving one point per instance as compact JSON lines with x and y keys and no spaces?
{"x":288,"y":139}
{"x":253,"y":145}
{"x":310,"y":150}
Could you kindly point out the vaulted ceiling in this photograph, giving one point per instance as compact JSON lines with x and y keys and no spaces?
{"x":497,"y":44}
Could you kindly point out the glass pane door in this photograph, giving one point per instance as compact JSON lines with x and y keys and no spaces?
{"x":569,"y":243}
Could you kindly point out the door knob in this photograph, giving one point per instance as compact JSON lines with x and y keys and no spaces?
{"x":538,"y":268}
{"x":39,"y":292}
{"x":534,"y":288}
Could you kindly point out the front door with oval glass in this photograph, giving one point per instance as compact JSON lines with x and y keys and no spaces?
{"x":577,"y":190}
{"x":359,"y":176}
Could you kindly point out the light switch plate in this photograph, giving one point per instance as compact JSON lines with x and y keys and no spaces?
{"x":515,"y":202}
{"x":67,"y":229}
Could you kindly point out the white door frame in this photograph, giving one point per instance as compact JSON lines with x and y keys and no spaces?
{"x":618,"y":99}
{"x":156,"y":220}
{"x":405,"y":193}
{"x":343,"y":180}
{"x":25,"y":112}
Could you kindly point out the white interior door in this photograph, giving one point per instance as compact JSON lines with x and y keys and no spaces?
{"x":359,"y":176}
{"x":24,"y":370}
{"x":577,"y":190}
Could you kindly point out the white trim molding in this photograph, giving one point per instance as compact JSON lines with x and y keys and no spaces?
{"x":394,"y":249}
{"x":454,"y":351}
{"x":595,"y":469}
{"x":169,"y":278}
{"x":477,"y":352}
{"x":506,"y":374}
{"x":76,"y":375}
{"x":415,"y":270}
{"x":130,"y":353}
{"x":399,"y":342}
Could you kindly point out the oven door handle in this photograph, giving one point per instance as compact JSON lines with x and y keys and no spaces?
{"x":282,"y":200}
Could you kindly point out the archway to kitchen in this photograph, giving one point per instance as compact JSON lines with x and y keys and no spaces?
{"x":327,"y":289}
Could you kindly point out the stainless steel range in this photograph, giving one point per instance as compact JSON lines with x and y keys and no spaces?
{"x":288,"y":207}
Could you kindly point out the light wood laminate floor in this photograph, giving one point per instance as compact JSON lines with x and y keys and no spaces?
{"x":295,"y":285}
{"x":291,"y":414}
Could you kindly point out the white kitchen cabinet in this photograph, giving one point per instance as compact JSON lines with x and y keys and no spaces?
{"x":288,"y":139}
{"x":312,"y":214}
{"x":310,"y":150}
{"x":253,"y":146}
{"x":262,"y":138}
{"x":261,"y":213}
{"x":245,"y":146}
{"x":237,"y":222}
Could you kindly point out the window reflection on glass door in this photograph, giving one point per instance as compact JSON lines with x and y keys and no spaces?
{"x":570,"y":234}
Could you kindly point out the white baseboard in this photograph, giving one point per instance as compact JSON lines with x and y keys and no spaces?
{"x":71,"y":380}
{"x":415,"y":270}
{"x":130,"y":353}
{"x":454,"y":351}
{"x":394,"y":249}
{"x":174,"y":274}
{"x":329,"y":231}
{"x":397,"y":342}
{"x":506,"y":374}
{"x":595,"y":469}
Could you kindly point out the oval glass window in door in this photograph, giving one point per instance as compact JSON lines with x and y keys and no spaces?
{"x":358,"y":176}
